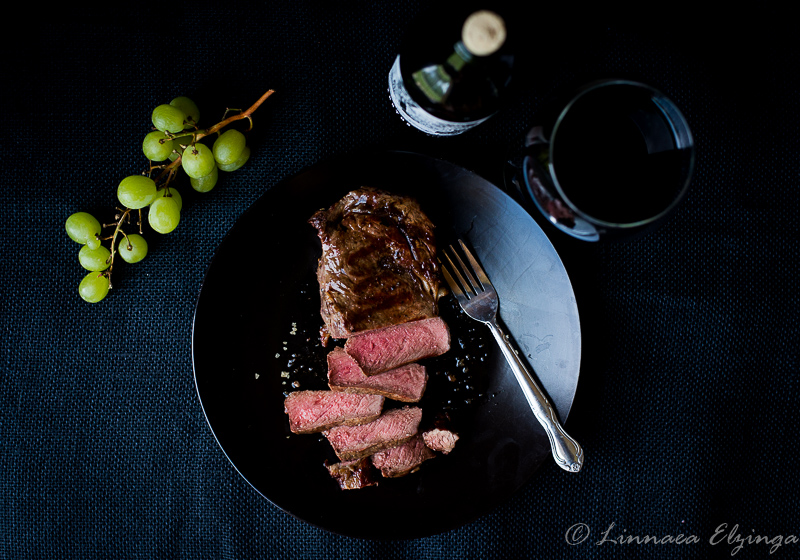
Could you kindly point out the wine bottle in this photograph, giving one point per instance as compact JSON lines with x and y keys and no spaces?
{"x":452,"y":72}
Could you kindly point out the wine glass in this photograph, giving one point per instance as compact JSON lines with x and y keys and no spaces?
{"x":616,"y":157}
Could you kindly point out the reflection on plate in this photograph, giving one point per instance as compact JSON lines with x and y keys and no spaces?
{"x":251,"y":343}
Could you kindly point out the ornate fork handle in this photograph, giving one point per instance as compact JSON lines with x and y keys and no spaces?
{"x":567,"y":453}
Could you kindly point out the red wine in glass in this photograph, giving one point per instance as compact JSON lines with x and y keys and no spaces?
{"x":615,"y":158}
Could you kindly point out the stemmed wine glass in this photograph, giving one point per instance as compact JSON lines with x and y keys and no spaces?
{"x":612,"y":158}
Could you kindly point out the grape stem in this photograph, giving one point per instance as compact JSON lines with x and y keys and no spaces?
{"x":243,"y":115}
{"x":117,"y":231}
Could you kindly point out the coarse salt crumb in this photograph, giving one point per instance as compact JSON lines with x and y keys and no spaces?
{"x":285,"y":374}
{"x":256,"y":376}
{"x":277,"y":355}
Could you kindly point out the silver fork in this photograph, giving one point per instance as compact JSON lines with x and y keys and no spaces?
{"x":477,"y":297}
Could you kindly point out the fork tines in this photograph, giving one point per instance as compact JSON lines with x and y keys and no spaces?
{"x":472,"y":280}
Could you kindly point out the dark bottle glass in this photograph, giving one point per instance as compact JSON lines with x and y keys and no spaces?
{"x":453,"y":70}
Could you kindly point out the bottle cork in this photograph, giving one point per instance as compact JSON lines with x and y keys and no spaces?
{"x":483,"y":33}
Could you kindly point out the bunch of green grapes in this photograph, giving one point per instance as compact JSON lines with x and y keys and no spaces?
{"x":176,"y":138}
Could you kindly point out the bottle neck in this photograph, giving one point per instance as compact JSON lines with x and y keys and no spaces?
{"x":460,"y":57}
{"x":436,"y":82}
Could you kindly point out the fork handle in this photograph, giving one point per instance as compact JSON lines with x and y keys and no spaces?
{"x":567,"y":453}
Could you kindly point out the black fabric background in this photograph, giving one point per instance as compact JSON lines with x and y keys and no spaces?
{"x":687,"y":401}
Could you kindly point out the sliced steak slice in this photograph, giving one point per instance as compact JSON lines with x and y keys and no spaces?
{"x":378,"y":265}
{"x":403,"y":459}
{"x":316,"y":411}
{"x":352,"y":475}
{"x":383,"y":349}
{"x":391,"y":428}
{"x":439,"y":439}
{"x":406,"y":383}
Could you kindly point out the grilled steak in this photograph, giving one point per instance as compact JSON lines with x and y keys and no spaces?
{"x":406,"y":383}
{"x":403,"y":459}
{"x":392,"y":428}
{"x":390,"y":347}
{"x":315,"y":411}
{"x":352,"y":475}
{"x":441,"y":440}
{"x":378,"y":265}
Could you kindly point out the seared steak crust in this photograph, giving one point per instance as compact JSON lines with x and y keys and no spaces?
{"x":378,"y":265}
{"x":352,"y":475}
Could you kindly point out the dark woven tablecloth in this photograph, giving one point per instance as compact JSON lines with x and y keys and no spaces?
{"x":687,"y":403}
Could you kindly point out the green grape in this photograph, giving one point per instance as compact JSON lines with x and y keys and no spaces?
{"x":206,"y":182}
{"x":168,"y":118}
{"x":136,"y":191}
{"x":189,"y":108}
{"x":93,"y":287}
{"x":239,"y":162}
{"x":229,"y":147}
{"x":173,"y":192}
{"x":157,"y":146}
{"x":198,"y":160}
{"x":84,"y":228}
{"x":176,"y":146}
{"x":137,"y":250}
{"x":164,"y":215}
{"x":95,"y":260}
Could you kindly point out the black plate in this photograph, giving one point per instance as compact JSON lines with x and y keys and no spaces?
{"x":258,"y":306}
